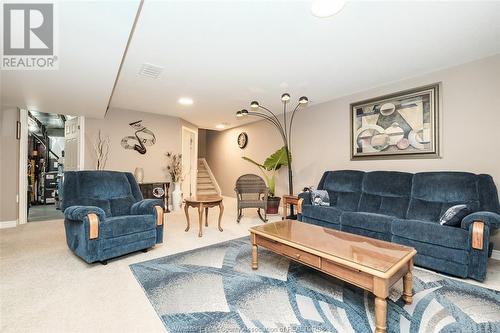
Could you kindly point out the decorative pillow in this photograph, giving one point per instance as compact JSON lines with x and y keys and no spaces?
{"x":454,"y":215}
{"x":320,"y":198}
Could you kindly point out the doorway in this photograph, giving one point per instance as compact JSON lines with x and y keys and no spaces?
{"x":44,"y":151}
{"x":189,"y":160}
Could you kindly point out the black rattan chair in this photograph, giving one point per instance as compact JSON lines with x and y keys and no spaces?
{"x":251,"y":192}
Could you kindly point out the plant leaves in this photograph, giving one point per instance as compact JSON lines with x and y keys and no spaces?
{"x":253,"y":162}
{"x":276,"y":160}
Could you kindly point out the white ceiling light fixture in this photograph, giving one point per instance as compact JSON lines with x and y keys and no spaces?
{"x":185,"y":101}
{"x":221,"y":126}
{"x":327,"y":8}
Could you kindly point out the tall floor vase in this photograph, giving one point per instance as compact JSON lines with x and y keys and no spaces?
{"x":177,"y":196}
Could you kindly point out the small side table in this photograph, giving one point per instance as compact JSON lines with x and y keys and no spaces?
{"x":287,"y":201}
{"x":203,"y":202}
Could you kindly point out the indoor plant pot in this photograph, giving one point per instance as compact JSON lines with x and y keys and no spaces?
{"x":269,"y":170}
{"x":273,"y":203}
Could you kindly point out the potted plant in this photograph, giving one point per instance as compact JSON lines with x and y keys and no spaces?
{"x":269,"y":170}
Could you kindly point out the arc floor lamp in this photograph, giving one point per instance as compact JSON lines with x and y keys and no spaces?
{"x":284,"y":127}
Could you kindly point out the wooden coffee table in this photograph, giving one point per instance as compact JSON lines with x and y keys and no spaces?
{"x":371,"y":264}
{"x":203,"y":202}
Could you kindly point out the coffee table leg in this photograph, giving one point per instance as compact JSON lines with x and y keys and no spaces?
{"x":221,"y":210}
{"x":186,"y":208}
{"x":200,"y":220}
{"x":255,"y":263}
{"x":380,"y":315}
{"x":408,"y":284}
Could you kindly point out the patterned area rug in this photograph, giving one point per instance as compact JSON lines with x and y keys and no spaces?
{"x":214,"y":289}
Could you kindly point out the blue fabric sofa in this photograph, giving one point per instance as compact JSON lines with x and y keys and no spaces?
{"x":405,"y":208}
{"x":105,"y":215}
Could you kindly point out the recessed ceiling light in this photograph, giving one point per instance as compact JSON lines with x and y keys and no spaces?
{"x":220,"y":126}
{"x":185,"y":101}
{"x":327,"y":8}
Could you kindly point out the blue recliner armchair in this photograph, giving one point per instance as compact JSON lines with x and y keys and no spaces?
{"x":105,"y":215}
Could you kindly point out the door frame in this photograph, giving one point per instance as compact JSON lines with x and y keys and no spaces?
{"x":195,"y":132}
{"x":23,"y":162}
{"x":23,"y":168}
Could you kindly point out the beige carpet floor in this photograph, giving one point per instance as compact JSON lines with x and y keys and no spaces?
{"x":45,"y":288}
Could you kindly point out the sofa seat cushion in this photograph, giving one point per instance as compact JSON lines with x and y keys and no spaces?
{"x":432,"y":232}
{"x":323,"y":213}
{"x":435,"y":251}
{"x":368,"y":221}
{"x":128,"y":224}
{"x":367,"y":233}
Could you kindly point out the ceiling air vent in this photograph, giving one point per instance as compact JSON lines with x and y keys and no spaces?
{"x":150,"y":70}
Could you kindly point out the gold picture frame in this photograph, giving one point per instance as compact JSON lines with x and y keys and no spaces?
{"x":397,"y":126}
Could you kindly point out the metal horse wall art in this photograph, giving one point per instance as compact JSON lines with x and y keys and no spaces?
{"x":142,"y":137}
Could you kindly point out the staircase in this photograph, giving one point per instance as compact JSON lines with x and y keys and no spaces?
{"x":206,"y":183}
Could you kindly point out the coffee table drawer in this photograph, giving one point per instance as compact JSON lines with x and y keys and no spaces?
{"x":291,"y":252}
{"x":348,"y":274}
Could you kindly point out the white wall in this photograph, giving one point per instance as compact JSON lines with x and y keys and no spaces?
{"x":470,"y":129}
{"x":167,"y":131}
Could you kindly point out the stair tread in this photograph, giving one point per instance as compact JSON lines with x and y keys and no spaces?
{"x":206,"y":186}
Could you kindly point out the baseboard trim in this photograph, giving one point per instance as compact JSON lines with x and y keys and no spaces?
{"x":495,"y":255}
{"x":8,"y":224}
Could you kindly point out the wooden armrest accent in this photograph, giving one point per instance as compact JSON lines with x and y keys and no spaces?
{"x":159,"y":215}
{"x":94,"y":225}
{"x":299,"y":205}
{"x":477,"y":235}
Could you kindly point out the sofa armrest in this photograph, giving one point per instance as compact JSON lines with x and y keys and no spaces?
{"x":146,"y":207}
{"x":479,"y":225}
{"x":79,"y":213}
{"x":90,"y":215}
{"x":306,"y":196}
{"x":490,"y":219}
{"x":149,"y":207}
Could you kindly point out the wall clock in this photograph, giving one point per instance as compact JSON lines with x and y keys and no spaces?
{"x":242,"y":140}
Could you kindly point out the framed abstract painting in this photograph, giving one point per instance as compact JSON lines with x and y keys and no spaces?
{"x":400,"y":125}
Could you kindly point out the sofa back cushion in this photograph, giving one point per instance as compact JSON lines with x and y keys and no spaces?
{"x":101,"y":203}
{"x":112,"y":191}
{"x":386,"y":192}
{"x":344,"y":188}
{"x":434,"y":192}
{"x":488,"y":194}
{"x":121,"y":206}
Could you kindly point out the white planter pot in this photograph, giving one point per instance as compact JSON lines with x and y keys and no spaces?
{"x":177,"y":196}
